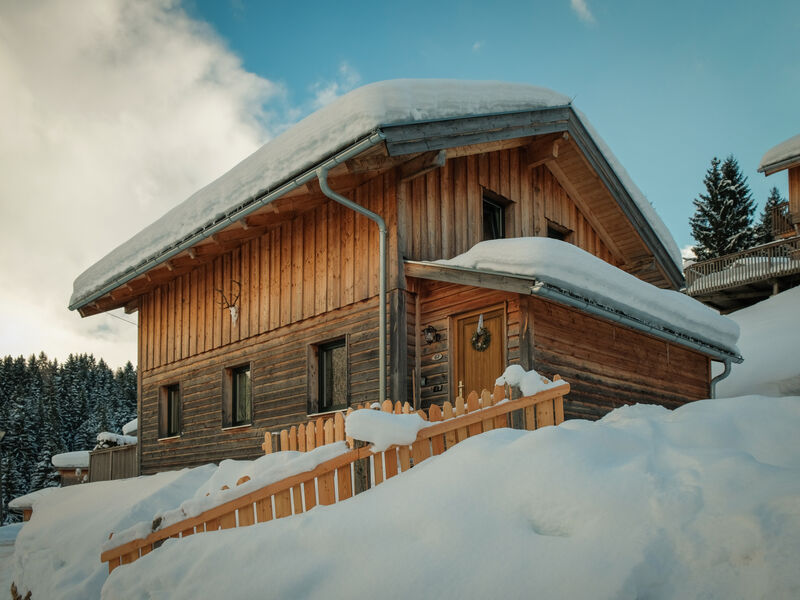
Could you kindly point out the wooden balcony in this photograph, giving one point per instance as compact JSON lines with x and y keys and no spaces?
{"x":737,"y":280}
{"x":783,"y":221}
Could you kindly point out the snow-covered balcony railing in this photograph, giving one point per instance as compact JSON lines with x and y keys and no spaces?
{"x":333,"y":472}
{"x":768,"y":261}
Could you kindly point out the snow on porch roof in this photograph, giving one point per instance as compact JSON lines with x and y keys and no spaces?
{"x":565,"y":273}
{"x":781,"y":156}
{"x":343,"y":123}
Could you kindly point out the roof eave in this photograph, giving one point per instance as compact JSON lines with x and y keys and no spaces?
{"x":238,"y":213}
{"x":781,"y":165}
{"x":538,"y":286}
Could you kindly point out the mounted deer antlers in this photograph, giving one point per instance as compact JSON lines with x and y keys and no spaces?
{"x":231,"y":304}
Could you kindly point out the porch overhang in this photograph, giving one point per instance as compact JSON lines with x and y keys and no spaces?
{"x":540,"y":287}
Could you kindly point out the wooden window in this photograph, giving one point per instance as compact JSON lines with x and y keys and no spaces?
{"x":328,"y":377}
{"x":237,"y":408}
{"x":169,"y":411}
{"x":494,"y":218}
{"x":558,"y":232}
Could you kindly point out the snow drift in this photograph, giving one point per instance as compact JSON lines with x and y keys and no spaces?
{"x":700,"y":502}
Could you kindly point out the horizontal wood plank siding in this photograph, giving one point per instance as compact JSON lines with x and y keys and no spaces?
{"x":609,"y":366}
{"x":279,"y":362}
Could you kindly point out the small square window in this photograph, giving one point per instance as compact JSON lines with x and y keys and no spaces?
{"x":558,"y":232}
{"x":238,"y":397}
{"x":169,"y":411}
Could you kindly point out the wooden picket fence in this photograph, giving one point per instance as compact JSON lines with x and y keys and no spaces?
{"x":358,"y":469}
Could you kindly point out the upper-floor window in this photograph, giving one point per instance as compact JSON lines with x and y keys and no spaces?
{"x":494,"y":219}
{"x":558,"y":232}
{"x":238,"y":400}
{"x":169,"y":411}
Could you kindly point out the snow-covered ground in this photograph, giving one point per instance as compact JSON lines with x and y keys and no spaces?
{"x":770,"y":344}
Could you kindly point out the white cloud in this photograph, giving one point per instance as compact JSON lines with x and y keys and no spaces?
{"x":477,"y":46}
{"x":111,"y":114}
{"x":326,"y":91}
{"x":582,"y":10}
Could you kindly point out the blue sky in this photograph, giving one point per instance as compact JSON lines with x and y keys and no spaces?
{"x":114,"y":113}
{"x":668,"y":85}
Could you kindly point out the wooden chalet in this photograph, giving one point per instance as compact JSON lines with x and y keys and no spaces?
{"x":258,"y":297}
{"x":734,"y":281}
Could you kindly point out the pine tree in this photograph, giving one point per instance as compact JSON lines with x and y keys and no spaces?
{"x":764,"y":226}
{"x":723,"y":219}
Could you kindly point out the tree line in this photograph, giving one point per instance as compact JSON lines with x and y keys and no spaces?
{"x":723,"y":222}
{"x":47,"y":408}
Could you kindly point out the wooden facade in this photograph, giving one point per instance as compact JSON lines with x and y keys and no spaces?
{"x":303,"y":271}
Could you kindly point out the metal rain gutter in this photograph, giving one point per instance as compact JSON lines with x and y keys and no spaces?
{"x":720,"y":377}
{"x":322,"y":174}
{"x":234,"y":215}
{"x":540,"y":288}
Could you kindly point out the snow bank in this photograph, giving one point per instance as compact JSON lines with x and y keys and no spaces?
{"x":262,"y":472}
{"x":568,"y":267}
{"x":383,"y":429}
{"x":57,"y":552}
{"x":131,"y":427}
{"x":770,"y":345}
{"x":318,"y":136}
{"x":701,"y":502}
{"x":528,"y":382}
{"x":67,"y":460}
{"x":783,"y":151}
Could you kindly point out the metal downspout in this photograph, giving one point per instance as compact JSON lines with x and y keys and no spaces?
{"x":322,"y":175}
{"x":720,"y":377}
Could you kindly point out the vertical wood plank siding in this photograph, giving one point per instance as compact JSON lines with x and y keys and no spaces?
{"x":442,"y":216}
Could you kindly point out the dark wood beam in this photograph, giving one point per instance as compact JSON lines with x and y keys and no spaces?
{"x":424,"y":163}
{"x":545,"y":149}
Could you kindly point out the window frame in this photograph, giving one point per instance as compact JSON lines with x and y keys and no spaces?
{"x":315,"y":382}
{"x":504,"y":205}
{"x":229,"y":396}
{"x":164,"y":432}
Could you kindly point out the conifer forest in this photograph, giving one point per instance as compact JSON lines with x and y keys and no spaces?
{"x":47,"y":408}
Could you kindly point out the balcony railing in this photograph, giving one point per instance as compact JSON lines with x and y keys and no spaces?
{"x":769,"y":261}
{"x":781,"y":220}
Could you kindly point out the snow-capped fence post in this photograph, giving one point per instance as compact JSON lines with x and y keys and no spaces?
{"x":361,"y":471}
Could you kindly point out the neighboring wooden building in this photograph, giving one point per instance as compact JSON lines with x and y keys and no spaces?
{"x":258,"y":297}
{"x":734,"y":281}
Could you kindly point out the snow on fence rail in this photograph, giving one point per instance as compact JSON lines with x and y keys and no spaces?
{"x":756,"y":264}
{"x":359,"y":469}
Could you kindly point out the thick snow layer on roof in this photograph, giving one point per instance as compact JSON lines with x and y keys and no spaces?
{"x":28,"y":500}
{"x":700,"y":502}
{"x":131,"y":427}
{"x":67,"y":460}
{"x":787,"y":150}
{"x":570,"y":268}
{"x":770,"y":345}
{"x":318,"y":136}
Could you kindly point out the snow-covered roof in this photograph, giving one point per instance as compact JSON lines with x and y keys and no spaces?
{"x":781,"y":156}
{"x":69,"y":460}
{"x":580,"y":274}
{"x":28,"y":500}
{"x":131,"y":427}
{"x":351,"y":118}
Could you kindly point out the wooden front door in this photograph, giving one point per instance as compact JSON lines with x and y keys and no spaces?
{"x":475,"y":369}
